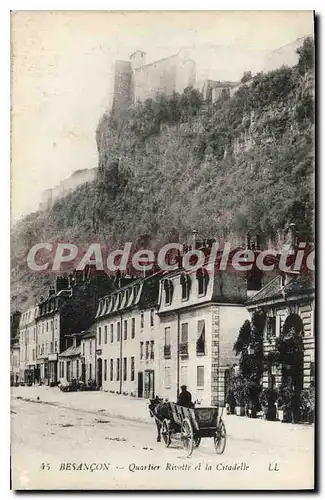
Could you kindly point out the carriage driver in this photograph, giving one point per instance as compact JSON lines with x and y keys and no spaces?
{"x":184,"y":397}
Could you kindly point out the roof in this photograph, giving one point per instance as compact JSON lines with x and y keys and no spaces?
{"x":89,"y":334}
{"x":70,"y":352}
{"x":298,"y":285}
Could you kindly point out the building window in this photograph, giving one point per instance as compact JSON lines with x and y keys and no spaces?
{"x":200,"y":376}
{"x":186,"y":286}
{"x":42,"y":348}
{"x":184,"y":375}
{"x":167,"y":350}
{"x":117,"y":369}
{"x":83,"y":348}
{"x":183,"y":348}
{"x":167,"y":376}
{"x":33,"y":354}
{"x":90,"y":369}
{"x":152,"y":317}
{"x":200,"y":343}
{"x":203,"y":280}
{"x":147,"y":349}
{"x":132,"y":368}
{"x":118,"y":331}
{"x":271,"y":326}
{"x":168,"y":287}
{"x":99,"y":336}
{"x":51,"y":347}
{"x":105,"y":334}
{"x":56,"y":346}
{"x":105,"y":369}
{"x":90,"y":348}
{"x":77,"y":369}
{"x":47,"y":326}
{"x":142,"y":320}
{"x":133,"y":328}
{"x":152,"y":349}
{"x":141,"y":350}
{"x":112,"y":333}
{"x":125,"y":329}
{"x":111,"y":370}
{"x":124,"y":369}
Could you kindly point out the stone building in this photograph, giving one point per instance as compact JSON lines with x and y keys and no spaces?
{"x":288,"y":302}
{"x":171,"y":328}
{"x":200,"y":315}
{"x":127,"y":329}
{"x":69,"y":309}
{"x":14,"y":347}
{"x":88,"y":355}
{"x":69,"y":363}
{"x":27,"y":341}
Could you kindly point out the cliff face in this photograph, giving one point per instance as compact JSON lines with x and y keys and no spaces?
{"x":173,"y":164}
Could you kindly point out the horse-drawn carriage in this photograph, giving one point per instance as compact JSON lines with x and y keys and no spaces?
{"x":191,"y":425}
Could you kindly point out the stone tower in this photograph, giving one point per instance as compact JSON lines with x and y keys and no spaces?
{"x":122,"y":97}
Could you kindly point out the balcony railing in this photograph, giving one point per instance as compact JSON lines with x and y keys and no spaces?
{"x":183,"y":349}
{"x":200,"y":348}
{"x":167,"y":351}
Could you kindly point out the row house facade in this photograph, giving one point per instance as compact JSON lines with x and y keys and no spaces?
{"x":288,"y":302}
{"x":127,"y":329}
{"x":200,"y":314}
{"x":27,"y":342}
{"x":14,"y":347}
{"x":169,"y":329}
{"x":48,"y":329}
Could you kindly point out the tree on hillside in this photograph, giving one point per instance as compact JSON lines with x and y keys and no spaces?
{"x":306,"y":56}
{"x":246,"y":77}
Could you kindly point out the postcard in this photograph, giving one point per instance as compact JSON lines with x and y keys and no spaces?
{"x":162,"y":250}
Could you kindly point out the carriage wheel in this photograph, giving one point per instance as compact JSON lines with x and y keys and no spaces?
{"x":197,"y":442}
{"x":165,"y":432}
{"x":187,"y":437}
{"x":220,"y":438}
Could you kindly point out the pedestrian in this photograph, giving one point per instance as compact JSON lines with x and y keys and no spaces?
{"x":184,"y":397}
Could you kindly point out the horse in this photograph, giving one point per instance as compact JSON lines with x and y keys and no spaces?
{"x":159,"y":410}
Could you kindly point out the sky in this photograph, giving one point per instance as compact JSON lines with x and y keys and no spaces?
{"x":63,"y":65}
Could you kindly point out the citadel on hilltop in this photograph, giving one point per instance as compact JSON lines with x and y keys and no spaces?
{"x":135,"y":80}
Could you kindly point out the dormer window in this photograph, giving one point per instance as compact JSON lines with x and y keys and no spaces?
{"x":186,"y":286}
{"x":203,"y":280}
{"x":168,"y":287}
{"x":127,"y":296}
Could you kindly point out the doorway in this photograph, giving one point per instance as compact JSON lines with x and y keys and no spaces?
{"x":149,"y":384}
{"x":140,"y":384}
{"x":99,"y":372}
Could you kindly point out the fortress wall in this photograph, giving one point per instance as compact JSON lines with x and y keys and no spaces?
{"x":185,"y":75}
{"x":122,"y":85}
{"x":156,"y":78}
{"x":286,"y":55}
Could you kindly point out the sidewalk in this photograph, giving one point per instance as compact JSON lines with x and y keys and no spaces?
{"x":296,"y":436}
{"x":111,"y":405}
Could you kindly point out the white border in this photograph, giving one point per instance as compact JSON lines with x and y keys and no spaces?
{"x":5,"y":172}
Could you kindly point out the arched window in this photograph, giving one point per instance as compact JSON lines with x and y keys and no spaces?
{"x":203,"y":279}
{"x":186,"y":286}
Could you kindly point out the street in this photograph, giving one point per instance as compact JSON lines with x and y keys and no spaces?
{"x":59,"y":447}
